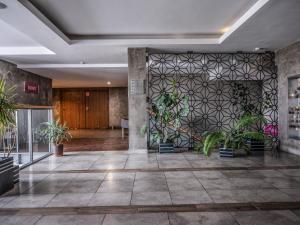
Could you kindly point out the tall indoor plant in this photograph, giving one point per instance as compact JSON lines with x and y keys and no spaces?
{"x":56,"y":133}
{"x":230,"y":141}
{"x":7,"y":121}
{"x":167,"y":112}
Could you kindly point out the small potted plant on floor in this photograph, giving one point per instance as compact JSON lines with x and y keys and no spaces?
{"x":56,"y":133}
{"x":7,"y":121}
{"x":230,"y":142}
{"x":166,"y":113}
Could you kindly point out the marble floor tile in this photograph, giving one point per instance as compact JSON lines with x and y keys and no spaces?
{"x":141,"y":164}
{"x":249,"y":183}
{"x":269,"y":173}
{"x":116,"y":186}
{"x":19,"y":219}
{"x":179,"y":175}
{"x":150,"y":185}
{"x":120,"y":176}
{"x":91,"y":176}
{"x":71,"y":220}
{"x":110,"y":199}
{"x":191,"y":184}
{"x":82,"y":186}
{"x":285,"y":217}
{"x":210,"y":184}
{"x":107,"y":166}
{"x":136,"y":219}
{"x":149,"y":175}
{"x":190,"y":197}
{"x":47,"y":187}
{"x":208,"y":174}
{"x":291,"y":172}
{"x":202,"y":218}
{"x":241,"y":174}
{"x":286,"y":182}
{"x":70,"y":199}
{"x":29,"y":201}
{"x":293,"y":193}
{"x":174,"y":164}
{"x":151,"y":198}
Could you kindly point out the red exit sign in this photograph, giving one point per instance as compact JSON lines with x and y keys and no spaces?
{"x":31,"y":87}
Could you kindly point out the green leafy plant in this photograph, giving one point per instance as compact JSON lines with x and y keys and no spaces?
{"x":55,"y":132}
{"x":236,"y":137}
{"x":167,"y":113}
{"x":7,"y":107}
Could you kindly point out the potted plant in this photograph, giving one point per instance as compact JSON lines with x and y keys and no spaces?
{"x":56,"y":133}
{"x":247,"y":107}
{"x":7,"y":120}
{"x":167,"y":112}
{"x":233,"y":140}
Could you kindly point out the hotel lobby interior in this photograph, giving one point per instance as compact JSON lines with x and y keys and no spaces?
{"x":161,"y":112}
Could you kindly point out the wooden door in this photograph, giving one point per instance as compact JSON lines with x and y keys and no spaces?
{"x":96,"y":109}
{"x":73,"y":109}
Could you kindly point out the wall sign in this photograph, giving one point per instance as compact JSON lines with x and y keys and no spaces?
{"x":31,"y":87}
{"x":137,"y":87}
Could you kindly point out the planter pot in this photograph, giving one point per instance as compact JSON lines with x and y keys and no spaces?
{"x":16,"y":171}
{"x":59,"y":150}
{"x":256,"y":147}
{"x":226,"y":152}
{"x":166,"y":147}
{"x":6,"y":174}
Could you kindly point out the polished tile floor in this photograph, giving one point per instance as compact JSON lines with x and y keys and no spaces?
{"x":85,"y":180}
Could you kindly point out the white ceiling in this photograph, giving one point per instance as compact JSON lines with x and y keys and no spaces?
{"x":102,"y":17}
{"x":99,"y":31}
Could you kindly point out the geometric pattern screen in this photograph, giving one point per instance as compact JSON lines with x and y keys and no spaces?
{"x":210,"y":80}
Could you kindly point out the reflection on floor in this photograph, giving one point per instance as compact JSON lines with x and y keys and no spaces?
{"x":97,"y":140}
{"x":112,"y":188}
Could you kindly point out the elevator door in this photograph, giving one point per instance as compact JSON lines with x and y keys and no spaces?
{"x":85,"y":109}
{"x":73,"y":109}
{"x":96,"y":109}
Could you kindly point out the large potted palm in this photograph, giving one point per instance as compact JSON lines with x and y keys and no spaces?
{"x":229,"y":142}
{"x":7,"y":121}
{"x":56,"y":133}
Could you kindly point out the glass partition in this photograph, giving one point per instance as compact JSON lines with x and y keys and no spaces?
{"x":24,"y":139}
{"x":22,"y":155}
{"x":40,"y":146}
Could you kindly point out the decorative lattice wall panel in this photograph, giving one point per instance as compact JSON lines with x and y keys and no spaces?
{"x":210,"y":81}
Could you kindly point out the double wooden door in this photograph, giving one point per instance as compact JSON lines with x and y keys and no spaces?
{"x":85,"y":108}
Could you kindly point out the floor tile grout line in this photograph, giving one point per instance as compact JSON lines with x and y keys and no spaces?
{"x":169,"y":191}
{"x":210,"y":207}
{"x":161,"y":169}
{"x":132,"y":189}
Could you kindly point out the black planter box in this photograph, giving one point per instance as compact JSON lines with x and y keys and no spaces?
{"x":166,"y":148}
{"x":226,"y":152}
{"x":16,"y":170}
{"x":256,"y":147}
{"x":6,"y":174}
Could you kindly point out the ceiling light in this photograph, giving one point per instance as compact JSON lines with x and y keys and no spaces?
{"x":225,"y":29}
{"x":108,"y":83}
{"x":2,"y":5}
{"x":257,"y":49}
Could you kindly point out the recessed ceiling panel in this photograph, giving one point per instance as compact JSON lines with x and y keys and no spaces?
{"x":10,"y":37}
{"x":143,"y":17}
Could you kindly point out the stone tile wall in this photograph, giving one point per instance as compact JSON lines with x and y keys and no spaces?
{"x":288,"y":63}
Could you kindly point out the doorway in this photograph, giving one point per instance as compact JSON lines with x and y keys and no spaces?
{"x":85,"y":109}
{"x":94,"y":117}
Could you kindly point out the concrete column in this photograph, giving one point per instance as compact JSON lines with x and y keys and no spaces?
{"x":136,"y":102}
